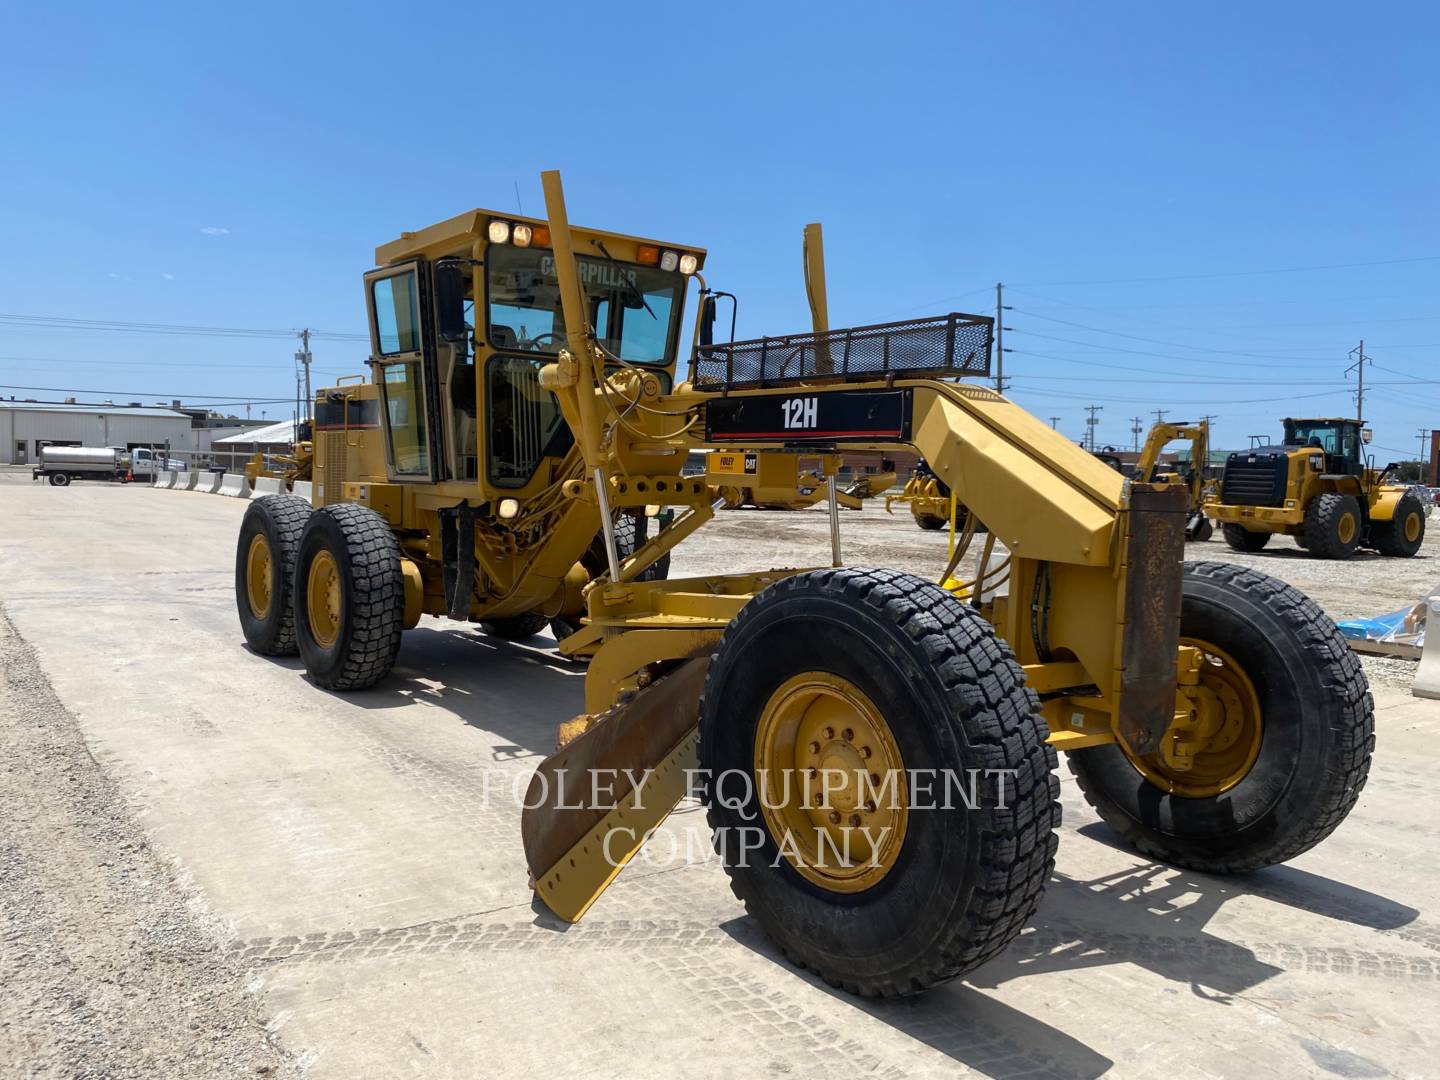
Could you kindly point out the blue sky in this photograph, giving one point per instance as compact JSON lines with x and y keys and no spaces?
{"x":1122,"y":167}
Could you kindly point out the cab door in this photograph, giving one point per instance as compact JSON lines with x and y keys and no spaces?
{"x":402,"y":355}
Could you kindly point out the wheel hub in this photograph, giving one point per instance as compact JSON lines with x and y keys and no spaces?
{"x":322,"y":594}
{"x":259,"y":576}
{"x":1216,"y":734}
{"x":831,"y":782}
{"x":1412,"y":527}
{"x":1346,"y":528}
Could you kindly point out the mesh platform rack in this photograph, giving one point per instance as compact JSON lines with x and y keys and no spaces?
{"x":940,"y":347}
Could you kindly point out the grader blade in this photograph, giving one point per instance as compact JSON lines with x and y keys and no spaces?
{"x":592,"y":804}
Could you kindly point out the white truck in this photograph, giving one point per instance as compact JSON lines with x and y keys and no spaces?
{"x":61,"y":464}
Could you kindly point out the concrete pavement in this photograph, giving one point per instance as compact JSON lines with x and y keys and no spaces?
{"x":359,"y":855}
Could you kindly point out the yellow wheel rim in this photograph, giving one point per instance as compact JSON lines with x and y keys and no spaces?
{"x":831,"y":782}
{"x":259,"y":576}
{"x":1346,"y":528}
{"x":1213,"y":747}
{"x":322,"y":594}
{"x":1412,"y":528}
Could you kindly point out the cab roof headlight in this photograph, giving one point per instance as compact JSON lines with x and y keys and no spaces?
{"x":689,"y":264}
{"x":521,"y":235}
{"x":499,"y":232}
{"x":509,"y":508}
{"x":647,"y":255}
{"x":669,"y":261}
{"x":541,"y":237}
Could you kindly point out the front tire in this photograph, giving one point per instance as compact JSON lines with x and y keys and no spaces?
{"x":827,"y":666}
{"x":349,"y":597}
{"x":60,"y":479}
{"x":1333,"y":526}
{"x":1402,"y":535}
{"x":1242,"y":539}
{"x":265,"y":571}
{"x":1315,"y":738}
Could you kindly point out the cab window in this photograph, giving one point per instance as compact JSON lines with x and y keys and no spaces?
{"x":405,"y":410}
{"x":397,"y":314}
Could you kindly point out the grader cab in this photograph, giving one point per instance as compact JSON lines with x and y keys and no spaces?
{"x":1320,"y":487}
{"x":877,"y":753}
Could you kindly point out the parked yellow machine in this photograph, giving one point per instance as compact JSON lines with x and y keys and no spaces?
{"x":877,"y":754}
{"x":928,"y":498}
{"x":784,"y":480}
{"x":1161,"y":435}
{"x":1319,"y":486}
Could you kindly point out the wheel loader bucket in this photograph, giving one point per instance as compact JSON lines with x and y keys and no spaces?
{"x":593,"y":803}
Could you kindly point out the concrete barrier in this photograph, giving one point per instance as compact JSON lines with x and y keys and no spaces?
{"x":269,"y":485}
{"x":169,"y":479}
{"x":305,"y":489}
{"x":191,"y":479}
{"x":157,"y":479}
{"x":209,"y":482}
{"x":181,"y":481}
{"x":235,"y":485}
{"x":1427,"y":675}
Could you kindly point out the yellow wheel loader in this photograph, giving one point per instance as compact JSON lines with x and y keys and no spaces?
{"x":877,"y":754}
{"x":1320,"y":487}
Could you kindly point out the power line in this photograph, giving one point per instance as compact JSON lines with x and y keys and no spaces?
{"x":58,"y":322}
{"x":1157,"y":341}
{"x":1238,"y":273}
{"x":145,"y":393}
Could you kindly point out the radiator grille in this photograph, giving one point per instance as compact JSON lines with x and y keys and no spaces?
{"x":1256,"y":479}
{"x":334,"y":478}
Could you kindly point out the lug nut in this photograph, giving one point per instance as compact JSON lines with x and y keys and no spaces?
{"x":865,"y":751}
{"x":829,"y":733}
{"x":819,"y":799}
{"x":874,"y":779}
{"x":834,"y":817}
{"x":854,"y":821}
{"x":814,"y":748}
{"x":869,"y":806}
{"x":848,"y":734}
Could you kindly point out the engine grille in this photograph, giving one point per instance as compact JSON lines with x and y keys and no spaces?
{"x":942,"y":346}
{"x":1255,"y":479}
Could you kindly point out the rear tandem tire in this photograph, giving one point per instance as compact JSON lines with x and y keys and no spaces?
{"x":515,"y":627}
{"x":1242,"y":539}
{"x":960,"y":882}
{"x":930,"y":522}
{"x":60,"y":479}
{"x":1333,"y":526}
{"x":1317,"y":734}
{"x":353,"y":549}
{"x":269,"y":538}
{"x":1402,"y":535}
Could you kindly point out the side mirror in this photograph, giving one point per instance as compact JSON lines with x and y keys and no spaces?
{"x":450,"y":322}
{"x":707,"y":321}
{"x":1366,"y":434}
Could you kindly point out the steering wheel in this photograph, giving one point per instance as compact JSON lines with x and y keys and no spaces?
{"x":535,"y":342}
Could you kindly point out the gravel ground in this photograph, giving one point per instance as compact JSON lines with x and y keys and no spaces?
{"x":108,"y":968}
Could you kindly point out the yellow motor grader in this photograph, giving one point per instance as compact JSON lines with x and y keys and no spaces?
{"x":928,"y":497}
{"x":778,"y":480}
{"x":1320,"y":487}
{"x":877,"y":754}
{"x":1197,"y":525}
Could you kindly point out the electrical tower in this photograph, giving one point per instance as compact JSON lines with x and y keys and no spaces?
{"x":1359,"y":368}
{"x":1000,"y":308}
{"x":1090,"y":423}
{"x":303,"y":359}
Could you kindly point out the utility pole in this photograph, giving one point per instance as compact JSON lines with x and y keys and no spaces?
{"x":1090,"y":423}
{"x":303,"y":358}
{"x":1359,"y":368}
{"x":1135,"y":429}
{"x":1160,"y":415}
{"x":1424,"y":457}
{"x":1054,"y":422}
{"x":1000,"y":308}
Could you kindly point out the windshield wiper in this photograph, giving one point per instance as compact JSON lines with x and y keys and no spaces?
{"x":634,"y":292}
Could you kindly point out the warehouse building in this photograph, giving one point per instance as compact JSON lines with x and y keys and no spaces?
{"x":25,"y":426}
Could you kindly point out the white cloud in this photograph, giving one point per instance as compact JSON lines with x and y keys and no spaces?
{"x":167,"y":277}
{"x":215,"y":230}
